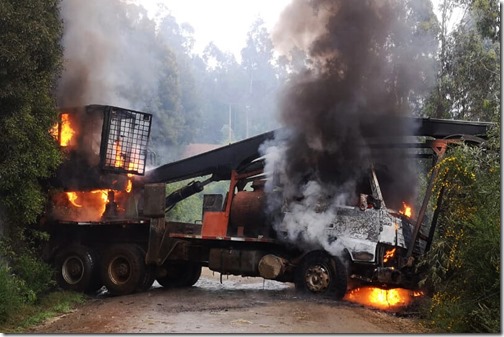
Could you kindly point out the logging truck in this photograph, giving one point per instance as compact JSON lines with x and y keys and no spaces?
{"x":107,"y":215}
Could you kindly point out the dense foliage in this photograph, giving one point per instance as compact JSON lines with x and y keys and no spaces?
{"x":30,"y":63}
{"x":30,"y":59}
{"x":464,"y":262}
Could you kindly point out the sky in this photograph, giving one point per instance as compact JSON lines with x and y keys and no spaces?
{"x":225,"y":22}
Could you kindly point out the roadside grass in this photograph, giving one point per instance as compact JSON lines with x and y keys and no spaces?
{"x":49,"y":306}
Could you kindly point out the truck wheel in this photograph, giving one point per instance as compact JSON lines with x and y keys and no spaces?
{"x":148,"y":279}
{"x":321,"y":274}
{"x":190,"y":275}
{"x":123,"y":269}
{"x":77,"y":269}
{"x":183,"y":275}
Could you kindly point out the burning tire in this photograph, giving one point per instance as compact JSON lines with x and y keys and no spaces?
{"x":180,"y":275}
{"x":77,"y":269}
{"x":123,"y":270}
{"x":321,"y":274}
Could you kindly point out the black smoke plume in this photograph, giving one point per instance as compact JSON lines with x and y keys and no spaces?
{"x":359,"y":77}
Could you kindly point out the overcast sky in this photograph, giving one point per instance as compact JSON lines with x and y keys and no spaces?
{"x":225,"y":22}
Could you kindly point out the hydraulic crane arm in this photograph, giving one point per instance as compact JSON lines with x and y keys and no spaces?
{"x":220,"y":162}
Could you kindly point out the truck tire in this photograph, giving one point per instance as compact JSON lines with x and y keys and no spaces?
{"x":180,"y":275}
{"x":148,"y":279}
{"x":123,"y":269}
{"x":190,"y":275}
{"x":321,"y":274}
{"x":77,"y":269}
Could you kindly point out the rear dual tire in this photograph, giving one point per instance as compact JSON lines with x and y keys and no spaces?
{"x":77,"y":269}
{"x":124,"y":271}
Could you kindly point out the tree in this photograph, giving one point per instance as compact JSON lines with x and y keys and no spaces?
{"x":30,"y":62}
{"x":463,"y":266}
{"x":468,"y":85}
{"x":223,"y":91}
{"x":179,"y":39}
{"x":263,"y":80}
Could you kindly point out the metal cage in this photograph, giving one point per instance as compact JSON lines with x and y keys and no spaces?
{"x":125,"y":136}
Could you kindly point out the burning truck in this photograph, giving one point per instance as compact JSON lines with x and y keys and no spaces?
{"x":107,"y":221}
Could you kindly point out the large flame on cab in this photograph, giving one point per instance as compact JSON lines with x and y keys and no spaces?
{"x":86,"y":205}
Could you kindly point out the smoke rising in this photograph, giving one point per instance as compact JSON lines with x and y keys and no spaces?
{"x":360,"y":74}
{"x":114,"y":54}
{"x":107,"y":55}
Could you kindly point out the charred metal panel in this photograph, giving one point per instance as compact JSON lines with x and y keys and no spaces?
{"x":360,"y":231}
{"x":212,"y":202}
{"x":156,"y":231}
{"x":154,"y":200}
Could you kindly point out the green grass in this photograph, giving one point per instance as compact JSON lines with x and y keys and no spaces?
{"x":49,"y":306}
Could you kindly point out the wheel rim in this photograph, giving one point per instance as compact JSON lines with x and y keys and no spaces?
{"x":317,"y":278}
{"x":119,"y":270}
{"x":72,"y":270}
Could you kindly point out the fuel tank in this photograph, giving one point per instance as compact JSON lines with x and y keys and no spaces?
{"x":247,"y":215}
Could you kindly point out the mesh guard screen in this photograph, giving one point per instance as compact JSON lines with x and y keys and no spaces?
{"x":125,"y":137}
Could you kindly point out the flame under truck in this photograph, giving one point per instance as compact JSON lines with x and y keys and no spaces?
{"x":131,"y":244}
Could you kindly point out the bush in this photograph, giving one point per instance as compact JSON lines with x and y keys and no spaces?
{"x":32,"y":276}
{"x":10,"y":298}
{"x":464,"y":262}
{"x":36,"y":274}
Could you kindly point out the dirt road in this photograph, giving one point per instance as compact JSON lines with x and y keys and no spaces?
{"x":238,"y":305}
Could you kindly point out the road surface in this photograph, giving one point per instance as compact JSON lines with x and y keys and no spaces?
{"x":237,"y":305}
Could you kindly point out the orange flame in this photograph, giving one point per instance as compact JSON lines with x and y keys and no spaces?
{"x":385,"y":299}
{"x":389,"y":254}
{"x":119,"y":161}
{"x":406,"y":210}
{"x":131,"y":166}
{"x":90,"y":205}
{"x":129,"y":186}
{"x":67,"y":132}
{"x":72,"y":197}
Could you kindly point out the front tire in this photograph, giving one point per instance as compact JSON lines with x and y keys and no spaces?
{"x":123,"y":271}
{"x":322,"y":275}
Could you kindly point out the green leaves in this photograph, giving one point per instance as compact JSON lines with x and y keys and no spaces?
{"x":469,"y":63}
{"x":463,"y":266}
{"x":30,"y":59}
